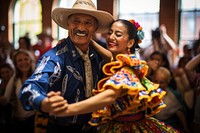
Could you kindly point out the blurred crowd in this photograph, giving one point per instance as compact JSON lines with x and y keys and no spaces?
{"x":16,"y":65}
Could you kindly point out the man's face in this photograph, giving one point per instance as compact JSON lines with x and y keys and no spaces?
{"x":81,"y":28}
{"x":161,"y":79}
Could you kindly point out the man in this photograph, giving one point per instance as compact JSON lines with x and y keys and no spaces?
{"x":62,"y":68}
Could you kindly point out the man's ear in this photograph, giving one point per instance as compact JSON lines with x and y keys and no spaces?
{"x":97,"y":26}
{"x":68,"y":19}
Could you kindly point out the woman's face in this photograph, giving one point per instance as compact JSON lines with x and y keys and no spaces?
{"x":6,"y":73}
{"x":22,"y":44}
{"x":23,"y":62}
{"x":118,"y":39}
{"x":158,"y":58}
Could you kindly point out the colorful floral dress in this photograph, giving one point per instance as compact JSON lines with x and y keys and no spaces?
{"x":139,"y":100}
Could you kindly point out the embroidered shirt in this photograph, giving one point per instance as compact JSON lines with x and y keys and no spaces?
{"x":60,"y":69}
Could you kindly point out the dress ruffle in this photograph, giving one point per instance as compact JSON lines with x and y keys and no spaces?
{"x":138,"y":93}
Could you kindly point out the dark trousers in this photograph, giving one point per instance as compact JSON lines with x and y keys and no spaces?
{"x":54,"y":127}
{"x":5,"y":118}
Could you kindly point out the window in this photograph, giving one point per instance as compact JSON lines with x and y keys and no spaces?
{"x":146,"y":12}
{"x":27,"y":20}
{"x":189,"y":21}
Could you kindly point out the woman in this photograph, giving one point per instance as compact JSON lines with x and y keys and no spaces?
{"x":192,"y":70}
{"x":158,"y":59}
{"x":23,"y":121}
{"x":6,"y":72}
{"x":124,"y":99}
{"x":174,"y":113}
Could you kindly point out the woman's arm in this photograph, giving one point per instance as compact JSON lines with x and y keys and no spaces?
{"x":192,"y":64}
{"x":8,"y":91}
{"x":89,"y":105}
{"x":106,"y":55}
{"x":171,"y":44}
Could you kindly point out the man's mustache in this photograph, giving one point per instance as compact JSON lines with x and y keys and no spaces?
{"x":80,"y":32}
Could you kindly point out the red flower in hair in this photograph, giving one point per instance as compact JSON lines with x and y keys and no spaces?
{"x":137,"y":25}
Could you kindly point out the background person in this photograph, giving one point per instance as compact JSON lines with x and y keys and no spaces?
{"x":43,"y":45}
{"x":6,"y":72}
{"x":22,"y":120}
{"x":194,"y":77}
{"x":174,"y":113}
{"x":163,"y":43}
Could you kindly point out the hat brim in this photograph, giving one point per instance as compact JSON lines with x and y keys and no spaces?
{"x":60,"y":16}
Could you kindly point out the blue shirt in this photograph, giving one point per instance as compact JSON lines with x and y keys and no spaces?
{"x":60,"y":69}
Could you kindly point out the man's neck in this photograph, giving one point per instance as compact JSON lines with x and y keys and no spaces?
{"x":83,"y":48}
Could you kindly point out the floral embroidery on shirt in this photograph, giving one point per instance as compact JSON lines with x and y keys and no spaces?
{"x":42,"y":64}
{"x":56,"y":74}
{"x":33,"y":93}
{"x":75,"y":73}
{"x":64,"y":84}
{"x":63,"y":50}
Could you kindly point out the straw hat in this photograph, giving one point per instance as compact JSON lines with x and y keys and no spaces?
{"x":60,"y":15}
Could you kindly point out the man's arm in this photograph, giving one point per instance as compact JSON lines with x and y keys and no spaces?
{"x":34,"y":89}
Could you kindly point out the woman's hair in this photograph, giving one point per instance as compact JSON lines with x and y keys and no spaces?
{"x":132,"y":32}
{"x":18,"y":72}
{"x":195,"y":49}
{"x":27,"y":40}
{"x":155,"y":33}
{"x":196,"y":44}
{"x":164,"y":58}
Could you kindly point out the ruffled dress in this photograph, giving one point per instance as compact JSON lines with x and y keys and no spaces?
{"x":140,"y":99}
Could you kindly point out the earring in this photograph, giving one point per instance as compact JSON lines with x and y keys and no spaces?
{"x":129,"y":51}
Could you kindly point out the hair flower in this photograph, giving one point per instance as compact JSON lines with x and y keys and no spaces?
{"x":140,"y":28}
{"x":132,"y":21}
{"x":137,"y":25}
{"x":140,"y":32}
{"x":140,"y":35}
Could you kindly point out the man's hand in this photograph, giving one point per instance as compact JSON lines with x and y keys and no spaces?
{"x":54,"y":103}
{"x":163,"y":29}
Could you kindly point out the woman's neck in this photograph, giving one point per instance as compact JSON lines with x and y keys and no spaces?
{"x":24,"y":76}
